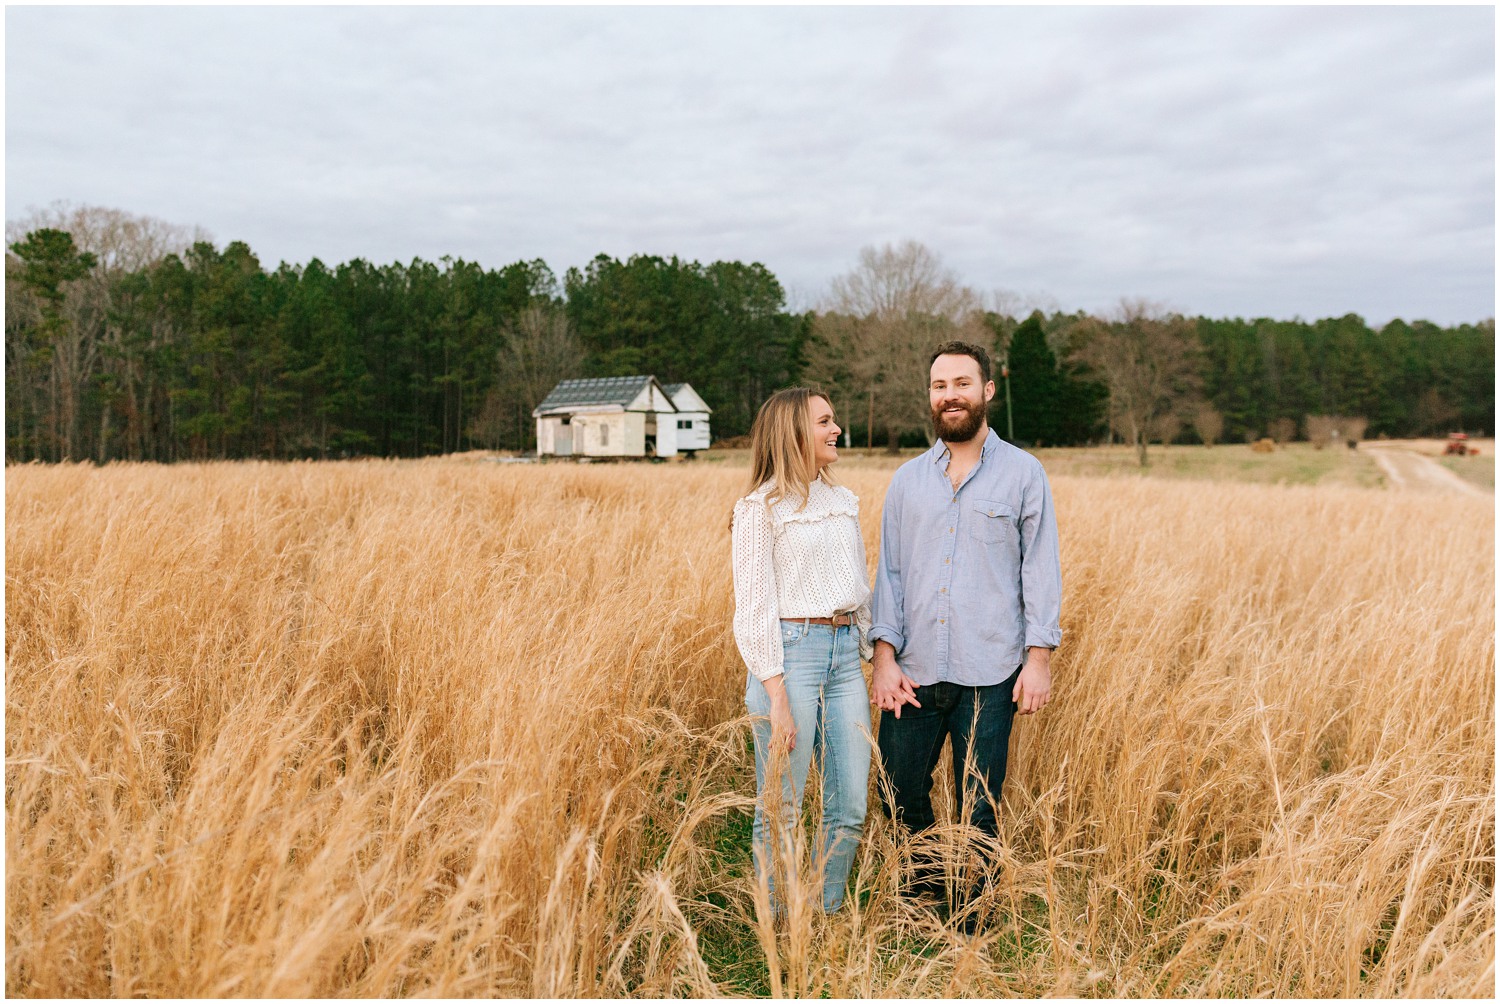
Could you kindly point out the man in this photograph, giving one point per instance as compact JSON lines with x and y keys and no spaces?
{"x":966,"y":601}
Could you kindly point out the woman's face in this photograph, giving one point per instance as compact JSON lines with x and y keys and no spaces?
{"x":825,"y":431}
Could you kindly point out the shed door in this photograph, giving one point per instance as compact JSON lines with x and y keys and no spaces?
{"x":563,"y":438}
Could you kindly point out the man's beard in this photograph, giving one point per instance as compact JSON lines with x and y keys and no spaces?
{"x":963,"y":428}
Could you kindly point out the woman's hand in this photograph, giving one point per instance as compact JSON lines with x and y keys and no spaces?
{"x":782,"y":725}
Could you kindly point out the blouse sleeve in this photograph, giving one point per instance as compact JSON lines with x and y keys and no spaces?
{"x":757,"y":624}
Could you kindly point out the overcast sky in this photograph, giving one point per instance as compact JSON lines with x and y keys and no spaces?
{"x":1224,"y":161}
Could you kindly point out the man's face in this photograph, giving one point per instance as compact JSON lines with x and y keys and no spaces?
{"x":959,"y":396}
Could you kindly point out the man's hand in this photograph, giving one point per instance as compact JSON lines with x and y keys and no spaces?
{"x":1033,"y":687}
{"x":889,"y":687}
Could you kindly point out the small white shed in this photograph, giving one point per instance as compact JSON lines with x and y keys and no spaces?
{"x":692,"y":417}
{"x":607,"y":417}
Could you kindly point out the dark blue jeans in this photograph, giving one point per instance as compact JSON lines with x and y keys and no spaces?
{"x":978,"y":721}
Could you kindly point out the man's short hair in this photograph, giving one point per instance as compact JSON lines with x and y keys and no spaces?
{"x":975,"y":352}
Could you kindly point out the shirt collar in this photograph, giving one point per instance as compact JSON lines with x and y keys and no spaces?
{"x":991,"y":443}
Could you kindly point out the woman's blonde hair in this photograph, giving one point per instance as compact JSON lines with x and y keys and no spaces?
{"x":781,"y":446}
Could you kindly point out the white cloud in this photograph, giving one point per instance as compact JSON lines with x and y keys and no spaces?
{"x":1272,"y":161}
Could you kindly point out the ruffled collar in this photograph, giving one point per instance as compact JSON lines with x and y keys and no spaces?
{"x":823,"y":500}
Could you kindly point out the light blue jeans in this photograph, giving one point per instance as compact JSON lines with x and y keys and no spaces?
{"x":831,"y":708}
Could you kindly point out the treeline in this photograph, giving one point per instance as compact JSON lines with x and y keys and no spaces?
{"x":1262,"y":377}
{"x":1143,"y":374}
{"x":204,"y":353}
{"x":1411,"y":379}
{"x":127,"y":338}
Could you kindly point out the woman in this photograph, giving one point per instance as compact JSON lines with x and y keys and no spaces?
{"x":802,"y":620}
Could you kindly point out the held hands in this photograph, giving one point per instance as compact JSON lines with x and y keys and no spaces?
{"x":889,"y":687}
{"x":1033,"y":687}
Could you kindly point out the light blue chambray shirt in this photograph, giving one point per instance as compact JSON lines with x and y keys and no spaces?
{"x":968,"y":579}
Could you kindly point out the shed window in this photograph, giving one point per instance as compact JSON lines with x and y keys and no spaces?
{"x":684,"y":423}
{"x":603,"y":435}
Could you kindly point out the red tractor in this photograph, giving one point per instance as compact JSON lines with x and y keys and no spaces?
{"x":1458,"y":445}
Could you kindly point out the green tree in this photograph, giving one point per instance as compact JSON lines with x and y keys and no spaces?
{"x":1036,"y":388}
{"x":49,"y":261}
{"x":1051,"y":404}
{"x":326,"y":372}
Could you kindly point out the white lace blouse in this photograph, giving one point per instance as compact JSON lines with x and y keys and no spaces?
{"x":791,"y":563}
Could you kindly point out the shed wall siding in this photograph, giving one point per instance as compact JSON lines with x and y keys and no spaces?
{"x":697,"y":436}
{"x":633,"y":434}
{"x":616,"y":435}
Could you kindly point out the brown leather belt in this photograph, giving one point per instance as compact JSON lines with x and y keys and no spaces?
{"x":837,"y":620}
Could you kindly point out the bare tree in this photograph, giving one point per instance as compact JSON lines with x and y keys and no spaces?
{"x":121,"y":241}
{"x":1148,"y":360}
{"x":1207,"y":422}
{"x":1282,"y":430}
{"x":1021,"y":304}
{"x":539,"y":349}
{"x":880,"y":323}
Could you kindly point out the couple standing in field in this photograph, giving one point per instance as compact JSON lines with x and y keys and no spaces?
{"x":959,"y":630}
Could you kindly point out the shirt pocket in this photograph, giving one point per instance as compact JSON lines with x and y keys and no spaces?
{"x":992,"y":522}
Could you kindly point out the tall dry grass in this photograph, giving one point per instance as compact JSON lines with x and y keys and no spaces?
{"x":459,"y":729}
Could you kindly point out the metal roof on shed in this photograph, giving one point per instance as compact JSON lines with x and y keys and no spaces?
{"x":594,"y":391}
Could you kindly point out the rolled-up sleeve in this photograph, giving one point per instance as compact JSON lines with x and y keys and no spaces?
{"x":1041,"y":567}
{"x":887,"y":611}
{"x":756,"y":620}
{"x":862,"y":620}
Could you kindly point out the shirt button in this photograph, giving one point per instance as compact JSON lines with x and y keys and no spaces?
{"x":950,"y":529}
{"x":941,"y":621}
{"x":943,"y":590}
{"x":945,"y":561}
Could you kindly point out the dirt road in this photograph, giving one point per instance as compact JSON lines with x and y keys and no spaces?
{"x":1409,"y":470}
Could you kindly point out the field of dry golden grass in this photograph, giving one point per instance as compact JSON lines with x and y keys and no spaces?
{"x":467,"y":729}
